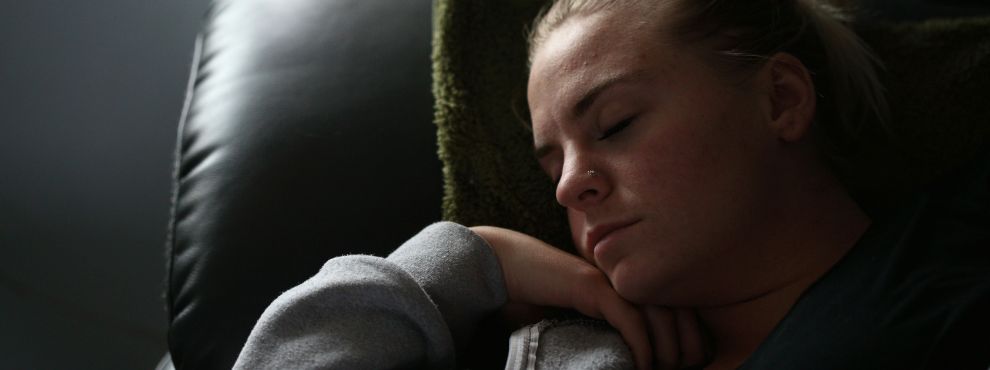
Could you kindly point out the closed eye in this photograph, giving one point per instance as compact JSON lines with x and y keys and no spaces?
{"x":616,"y":128}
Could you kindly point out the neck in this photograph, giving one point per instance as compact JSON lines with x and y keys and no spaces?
{"x":806,"y":244}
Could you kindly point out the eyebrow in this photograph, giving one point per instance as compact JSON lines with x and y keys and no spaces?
{"x":588,"y":99}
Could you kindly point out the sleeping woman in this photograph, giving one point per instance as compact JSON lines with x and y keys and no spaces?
{"x":690,"y":144}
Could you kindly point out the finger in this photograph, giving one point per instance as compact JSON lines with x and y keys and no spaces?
{"x":663,"y":332}
{"x":690,"y":338}
{"x":630,"y":322}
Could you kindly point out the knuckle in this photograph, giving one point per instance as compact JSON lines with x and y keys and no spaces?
{"x":589,"y":274}
{"x":659,"y":316}
{"x":587,"y":292}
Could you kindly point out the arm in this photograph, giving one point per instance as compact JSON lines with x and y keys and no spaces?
{"x":539,"y":274}
{"x":421,"y":300}
{"x":426,"y":298}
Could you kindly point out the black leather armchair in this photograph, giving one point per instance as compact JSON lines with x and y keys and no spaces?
{"x":307,"y":134}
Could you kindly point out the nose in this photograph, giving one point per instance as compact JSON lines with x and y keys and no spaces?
{"x":582,"y":186}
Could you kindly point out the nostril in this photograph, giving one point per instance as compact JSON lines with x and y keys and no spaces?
{"x":587,"y":193}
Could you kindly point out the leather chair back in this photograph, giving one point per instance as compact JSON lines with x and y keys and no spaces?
{"x":307,"y":134}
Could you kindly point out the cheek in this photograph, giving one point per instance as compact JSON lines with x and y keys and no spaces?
{"x":695,"y":165}
{"x":673,"y":162}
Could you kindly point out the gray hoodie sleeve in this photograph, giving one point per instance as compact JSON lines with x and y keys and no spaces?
{"x":410,"y":310}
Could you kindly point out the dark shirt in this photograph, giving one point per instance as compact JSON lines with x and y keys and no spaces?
{"x":914,"y":293}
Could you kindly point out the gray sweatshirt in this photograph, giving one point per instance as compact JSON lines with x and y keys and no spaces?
{"x":413,"y":310}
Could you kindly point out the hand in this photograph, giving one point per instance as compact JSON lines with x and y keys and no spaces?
{"x":678,"y":339}
{"x":538,"y":274}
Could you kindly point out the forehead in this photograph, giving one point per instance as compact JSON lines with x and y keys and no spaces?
{"x":603,"y":39}
{"x":588,"y":49}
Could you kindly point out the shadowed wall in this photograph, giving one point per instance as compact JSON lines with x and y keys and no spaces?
{"x":90,"y":93}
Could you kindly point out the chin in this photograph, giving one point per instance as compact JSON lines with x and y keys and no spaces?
{"x":650,"y":285}
{"x":631,"y":285}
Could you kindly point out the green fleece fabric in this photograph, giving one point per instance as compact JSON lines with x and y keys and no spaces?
{"x":936,"y":75}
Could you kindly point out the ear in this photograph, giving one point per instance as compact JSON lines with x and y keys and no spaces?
{"x":792,"y":97}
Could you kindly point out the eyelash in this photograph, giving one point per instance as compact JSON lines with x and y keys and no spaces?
{"x":611,"y":131}
{"x":616,"y":128}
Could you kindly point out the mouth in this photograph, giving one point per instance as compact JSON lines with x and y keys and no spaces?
{"x":600,"y":232}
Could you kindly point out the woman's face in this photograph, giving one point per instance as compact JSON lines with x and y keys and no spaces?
{"x":682,"y":159}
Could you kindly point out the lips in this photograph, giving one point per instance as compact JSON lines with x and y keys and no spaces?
{"x":599,"y":232}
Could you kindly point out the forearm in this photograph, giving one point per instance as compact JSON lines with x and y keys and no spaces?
{"x":459,"y":272}
{"x":423,"y":300}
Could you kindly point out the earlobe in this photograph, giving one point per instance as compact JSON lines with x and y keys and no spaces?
{"x":792,"y":97}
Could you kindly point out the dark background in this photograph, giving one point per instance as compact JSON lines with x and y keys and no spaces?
{"x":90,"y":97}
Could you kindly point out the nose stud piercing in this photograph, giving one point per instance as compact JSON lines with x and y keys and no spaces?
{"x":592,"y":173}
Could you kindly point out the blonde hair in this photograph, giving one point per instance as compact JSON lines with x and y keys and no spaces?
{"x":745,"y":33}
